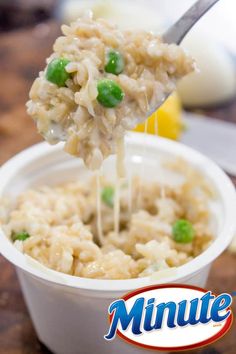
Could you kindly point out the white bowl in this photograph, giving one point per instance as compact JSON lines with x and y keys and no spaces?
{"x":70,"y":313}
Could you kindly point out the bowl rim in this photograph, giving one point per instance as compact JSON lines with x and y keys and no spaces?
{"x":222,"y":182}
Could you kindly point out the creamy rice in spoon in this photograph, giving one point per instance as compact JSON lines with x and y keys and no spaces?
{"x":72,"y":113}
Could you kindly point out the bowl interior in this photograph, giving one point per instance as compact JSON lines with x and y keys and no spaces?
{"x":43,"y":164}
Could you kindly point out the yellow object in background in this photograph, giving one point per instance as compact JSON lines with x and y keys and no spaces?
{"x":166,"y":121}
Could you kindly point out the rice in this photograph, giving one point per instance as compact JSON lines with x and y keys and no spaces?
{"x":73,"y":114}
{"x":62,"y":224}
{"x":63,"y":227}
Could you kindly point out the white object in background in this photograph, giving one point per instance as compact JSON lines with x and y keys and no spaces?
{"x":215,"y":81}
{"x":126,"y":14}
{"x":70,"y":313}
{"x":213,"y":138}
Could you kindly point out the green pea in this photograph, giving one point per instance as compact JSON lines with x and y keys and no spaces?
{"x":110,"y":94}
{"x":183,"y":231}
{"x":21,"y":236}
{"x":56,"y":72}
{"x":115,"y":63}
{"x":108,"y":196}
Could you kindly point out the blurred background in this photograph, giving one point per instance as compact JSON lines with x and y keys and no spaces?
{"x":202,"y":113}
{"x":28,"y":29}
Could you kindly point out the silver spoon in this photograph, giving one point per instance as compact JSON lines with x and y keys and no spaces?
{"x":176,"y":33}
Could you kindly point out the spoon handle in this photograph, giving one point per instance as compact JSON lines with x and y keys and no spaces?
{"x":178,"y":31}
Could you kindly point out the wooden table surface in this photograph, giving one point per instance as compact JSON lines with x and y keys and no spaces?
{"x":22,"y":55}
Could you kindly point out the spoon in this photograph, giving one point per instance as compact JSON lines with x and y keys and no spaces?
{"x":176,"y":33}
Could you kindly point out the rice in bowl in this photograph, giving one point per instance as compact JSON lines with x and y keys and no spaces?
{"x":62,"y":227}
